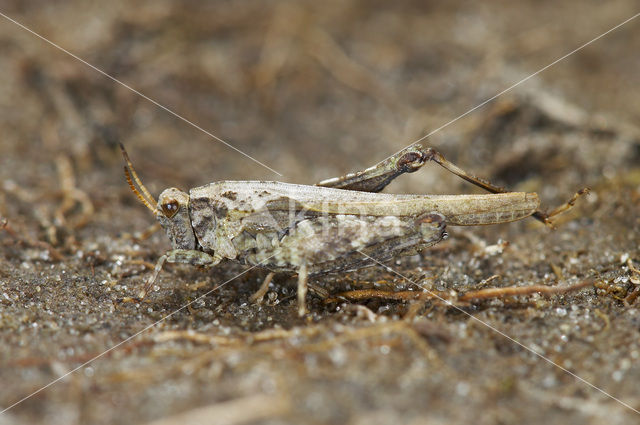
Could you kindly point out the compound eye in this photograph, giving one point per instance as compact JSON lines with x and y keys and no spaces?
{"x":170,"y":208}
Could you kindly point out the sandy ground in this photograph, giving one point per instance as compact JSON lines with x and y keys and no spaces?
{"x":314,"y":90}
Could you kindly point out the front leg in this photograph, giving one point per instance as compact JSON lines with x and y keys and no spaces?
{"x":185,"y":256}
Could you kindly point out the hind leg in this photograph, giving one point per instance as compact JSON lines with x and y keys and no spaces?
{"x":411,"y":159}
{"x":376,"y":178}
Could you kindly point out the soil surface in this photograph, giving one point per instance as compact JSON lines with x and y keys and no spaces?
{"x":314,"y":90}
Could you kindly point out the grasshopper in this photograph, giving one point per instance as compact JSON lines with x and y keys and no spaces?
{"x":338,"y":225}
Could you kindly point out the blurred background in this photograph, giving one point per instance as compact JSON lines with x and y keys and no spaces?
{"x":312,"y":90}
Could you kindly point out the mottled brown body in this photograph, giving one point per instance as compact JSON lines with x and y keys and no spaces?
{"x":340,"y":224}
{"x":281,"y":225}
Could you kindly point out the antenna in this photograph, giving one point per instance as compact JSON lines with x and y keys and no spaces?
{"x":145,"y":197}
